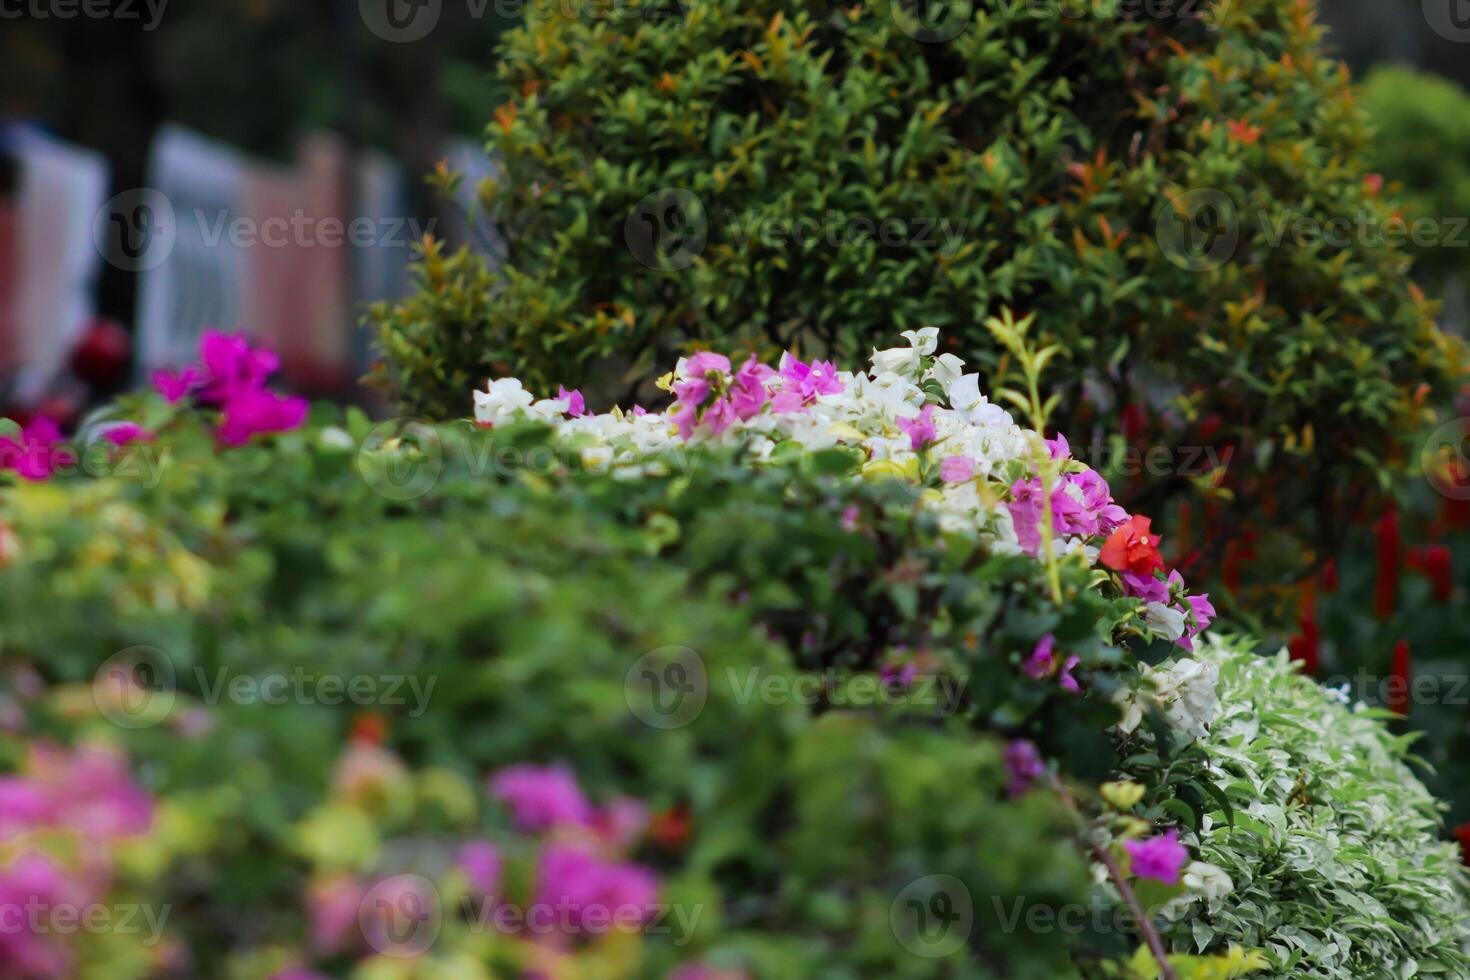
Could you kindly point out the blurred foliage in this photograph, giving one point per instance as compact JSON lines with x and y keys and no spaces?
{"x":1422,"y":141}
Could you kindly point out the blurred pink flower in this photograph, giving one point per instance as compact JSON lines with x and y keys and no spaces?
{"x":541,"y":797}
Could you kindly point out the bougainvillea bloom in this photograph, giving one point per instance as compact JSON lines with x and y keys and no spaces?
{"x":37,"y":453}
{"x":1159,"y":858}
{"x":542,"y":797}
{"x":480,"y":862}
{"x":1042,"y":661}
{"x":920,"y":430}
{"x":576,"y":404}
{"x":596,"y":894}
{"x":231,"y":376}
{"x":1133,"y":547}
{"x":1024,"y":765}
{"x":124,"y":433}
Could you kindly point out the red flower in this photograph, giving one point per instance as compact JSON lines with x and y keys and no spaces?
{"x":1243,"y":131}
{"x":1434,"y":561}
{"x":369,"y":728}
{"x":1306,"y":646}
{"x":1385,"y":596}
{"x":1329,"y":576}
{"x":1462,"y":834}
{"x":1133,"y":547}
{"x":1373,"y":183}
{"x":1400,"y":676}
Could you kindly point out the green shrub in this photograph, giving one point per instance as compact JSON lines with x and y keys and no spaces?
{"x":1331,"y":843}
{"x":1052,"y":145}
{"x":1421,"y":140}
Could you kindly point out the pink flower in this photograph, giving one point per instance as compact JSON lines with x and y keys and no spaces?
{"x":1159,"y":858}
{"x":33,"y":880}
{"x":1065,"y":679}
{"x":957,"y":469}
{"x":622,"y":822}
{"x":1203,"y":612}
{"x":174,"y":385}
{"x":541,"y":798}
{"x":1024,"y":764}
{"x":805,"y":382}
{"x":332,"y":905}
{"x":920,"y":430}
{"x":705,"y":362}
{"x":480,"y":862}
{"x":576,"y":404}
{"x":748,"y":393}
{"x":37,"y":453}
{"x":125,"y":432}
{"x":251,"y":412}
{"x":1149,"y":588}
{"x":231,"y":365}
{"x":1042,"y":660}
{"x":595,"y":894}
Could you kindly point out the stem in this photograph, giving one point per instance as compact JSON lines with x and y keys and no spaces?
{"x":1151,"y":935}
{"x":1038,"y":420}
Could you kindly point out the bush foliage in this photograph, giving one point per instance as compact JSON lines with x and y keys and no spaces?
{"x":1083,"y":164}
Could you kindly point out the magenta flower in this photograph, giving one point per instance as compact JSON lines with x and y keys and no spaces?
{"x":576,"y":404}
{"x":805,"y":382}
{"x":595,"y":894}
{"x":920,"y":430}
{"x":29,"y":881}
{"x":124,"y":433}
{"x":480,"y":862}
{"x":957,"y":469}
{"x":1160,"y":858}
{"x":1024,"y":764}
{"x":231,"y":365}
{"x":37,"y":453}
{"x":332,"y":906}
{"x":1203,"y":612}
{"x":748,"y":393}
{"x":1149,"y":587}
{"x":251,"y":412}
{"x":1065,"y":679}
{"x":704,"y":363}
{"x":1042,"y":660}
{"x":541,"y":798}
{"x":174,"y":385}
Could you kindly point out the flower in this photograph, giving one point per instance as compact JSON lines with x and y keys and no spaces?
{"x":37,"y":453}
{"x":1159,"y":858}
{"x":595,"y":894}
{"x":1207,"y":881}
{"x":123,"y":433}
{"x":1133,"y":547}
{"x":1400,"y":678}
{"x":541,"y":798}
{"x":1024,"y":764}
{"x":920,"y":430}
{"x":480,"y":862}
{"x":1065,"y":679}
{"x":174,"y":385}
{"x":957,"y":469}
{"x":1042,"y":661}
{"x":1386,"y":588}
{"x":1187,"y":691}
{"x":576,"y":404}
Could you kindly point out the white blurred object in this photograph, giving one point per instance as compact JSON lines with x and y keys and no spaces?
{"x":53,"y":260}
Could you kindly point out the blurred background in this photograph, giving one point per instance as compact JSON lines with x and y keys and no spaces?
{"x":260,"y":164}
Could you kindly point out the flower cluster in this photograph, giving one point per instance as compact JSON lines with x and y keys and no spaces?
{"x":59,"y":820}
{"x":231,"y":376}
{"x":35,"y":451}
{"x":914,"y":415}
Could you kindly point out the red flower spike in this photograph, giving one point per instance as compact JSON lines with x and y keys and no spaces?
{"x":1400,"y":677}
{"x":1435,"y":564}
{"x":1386,"y":593}
{"x":1462,"y":834}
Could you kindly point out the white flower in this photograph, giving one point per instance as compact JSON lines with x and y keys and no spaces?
{"x":925,"y":340}
{"x":502,"y":402}
{"x":947,"y":370}
{"x":1207,"y":881}
{"x":1187,"y":690}
{"x":1166,"y":619}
